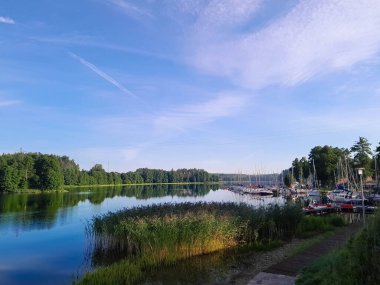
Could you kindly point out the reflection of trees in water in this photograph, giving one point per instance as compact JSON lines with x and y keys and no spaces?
{"x":39,"y":211}
{"x":98,"y":194}
{"x":34,"y":211}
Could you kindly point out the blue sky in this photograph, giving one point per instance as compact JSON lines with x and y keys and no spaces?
{"x":228,"y":86}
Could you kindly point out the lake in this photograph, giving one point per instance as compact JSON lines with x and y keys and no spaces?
{"x":42,"y":236}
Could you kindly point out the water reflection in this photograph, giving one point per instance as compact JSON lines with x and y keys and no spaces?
{"x":39,"y":211}
{"x":42,"y":236}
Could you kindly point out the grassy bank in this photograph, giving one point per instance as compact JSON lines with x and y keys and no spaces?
{"x":140,"y":240}
{"x":163,"y":234}
{"x":356,"y":263}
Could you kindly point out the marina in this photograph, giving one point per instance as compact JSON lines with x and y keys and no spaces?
{"x":315,"y":202}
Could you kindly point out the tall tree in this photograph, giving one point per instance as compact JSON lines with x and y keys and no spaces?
{"x":325,"y":161}
{"x":49,"y":172}
{"x":8,"y":178}
{"x":301,"y":169}
{"x":98,"y":174}
{"x":362,"y":155}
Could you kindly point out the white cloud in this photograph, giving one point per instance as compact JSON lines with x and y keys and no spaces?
{"x":102,"y":74}
{"x":6,"y":20}
{"x":190,"y":116}
{"x":316,"y":37}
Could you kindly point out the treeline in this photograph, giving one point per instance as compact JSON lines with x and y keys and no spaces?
{"x":326,"y":164}
{"x":50,"y":172}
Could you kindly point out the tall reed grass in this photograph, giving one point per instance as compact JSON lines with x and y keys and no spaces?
{"x":147,"y":237}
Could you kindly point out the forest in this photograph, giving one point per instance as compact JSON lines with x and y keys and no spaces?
{"x":326,"y":162}
{"x":23,"y":171}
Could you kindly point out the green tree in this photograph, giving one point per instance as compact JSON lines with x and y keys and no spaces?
{"x":146,"y":174}
{"x":70,"y":170}
{"x":49,"y":173}
{"x":325,"y":161}
{"x":83,"y":178}
{"x":362,"y":154}
{"x":98,"y":174}
{"x":172,"y":177}
{"x":8,"y":178}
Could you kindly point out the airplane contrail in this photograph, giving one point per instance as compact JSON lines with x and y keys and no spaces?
{"x":102,"y":74}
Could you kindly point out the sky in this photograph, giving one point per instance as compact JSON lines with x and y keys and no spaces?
{"x":228,"y":86}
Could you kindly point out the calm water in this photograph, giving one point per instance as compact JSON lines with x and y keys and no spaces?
{"x":42,"y":236}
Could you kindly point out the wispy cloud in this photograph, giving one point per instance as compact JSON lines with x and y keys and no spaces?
{"x":190,"y":116}
{"x":90,"y":41}
{"x":225,"y":15}
{"x":129,"y":9}
{"x":7,"y":20}
{"x":8,"y":103}
{"x":315,"y":37}
{"x":102,"y":74}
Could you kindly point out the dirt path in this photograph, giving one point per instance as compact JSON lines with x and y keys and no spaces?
{"x":278,"y":262}
{"x":293,"y":265}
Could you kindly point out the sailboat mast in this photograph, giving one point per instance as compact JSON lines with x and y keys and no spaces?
{"x":376,"y":174}
{"x":315,"y":182}
{"x":348,"y":176}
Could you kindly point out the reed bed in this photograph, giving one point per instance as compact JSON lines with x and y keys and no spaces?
{"x":144,"y":238}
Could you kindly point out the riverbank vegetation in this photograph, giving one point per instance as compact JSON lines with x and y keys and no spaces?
{"x":147,"y":237}
{"x":138,"y":240}
{"x":358,"y":262}
{"x":314,"y":225}
{"x":23,"y":171}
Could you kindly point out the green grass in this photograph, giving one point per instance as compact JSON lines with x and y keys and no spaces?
{"x":356,"y":263}
{"x":315,"y":229}
{"x":148,"y":237}
{"x":314,"y":225}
